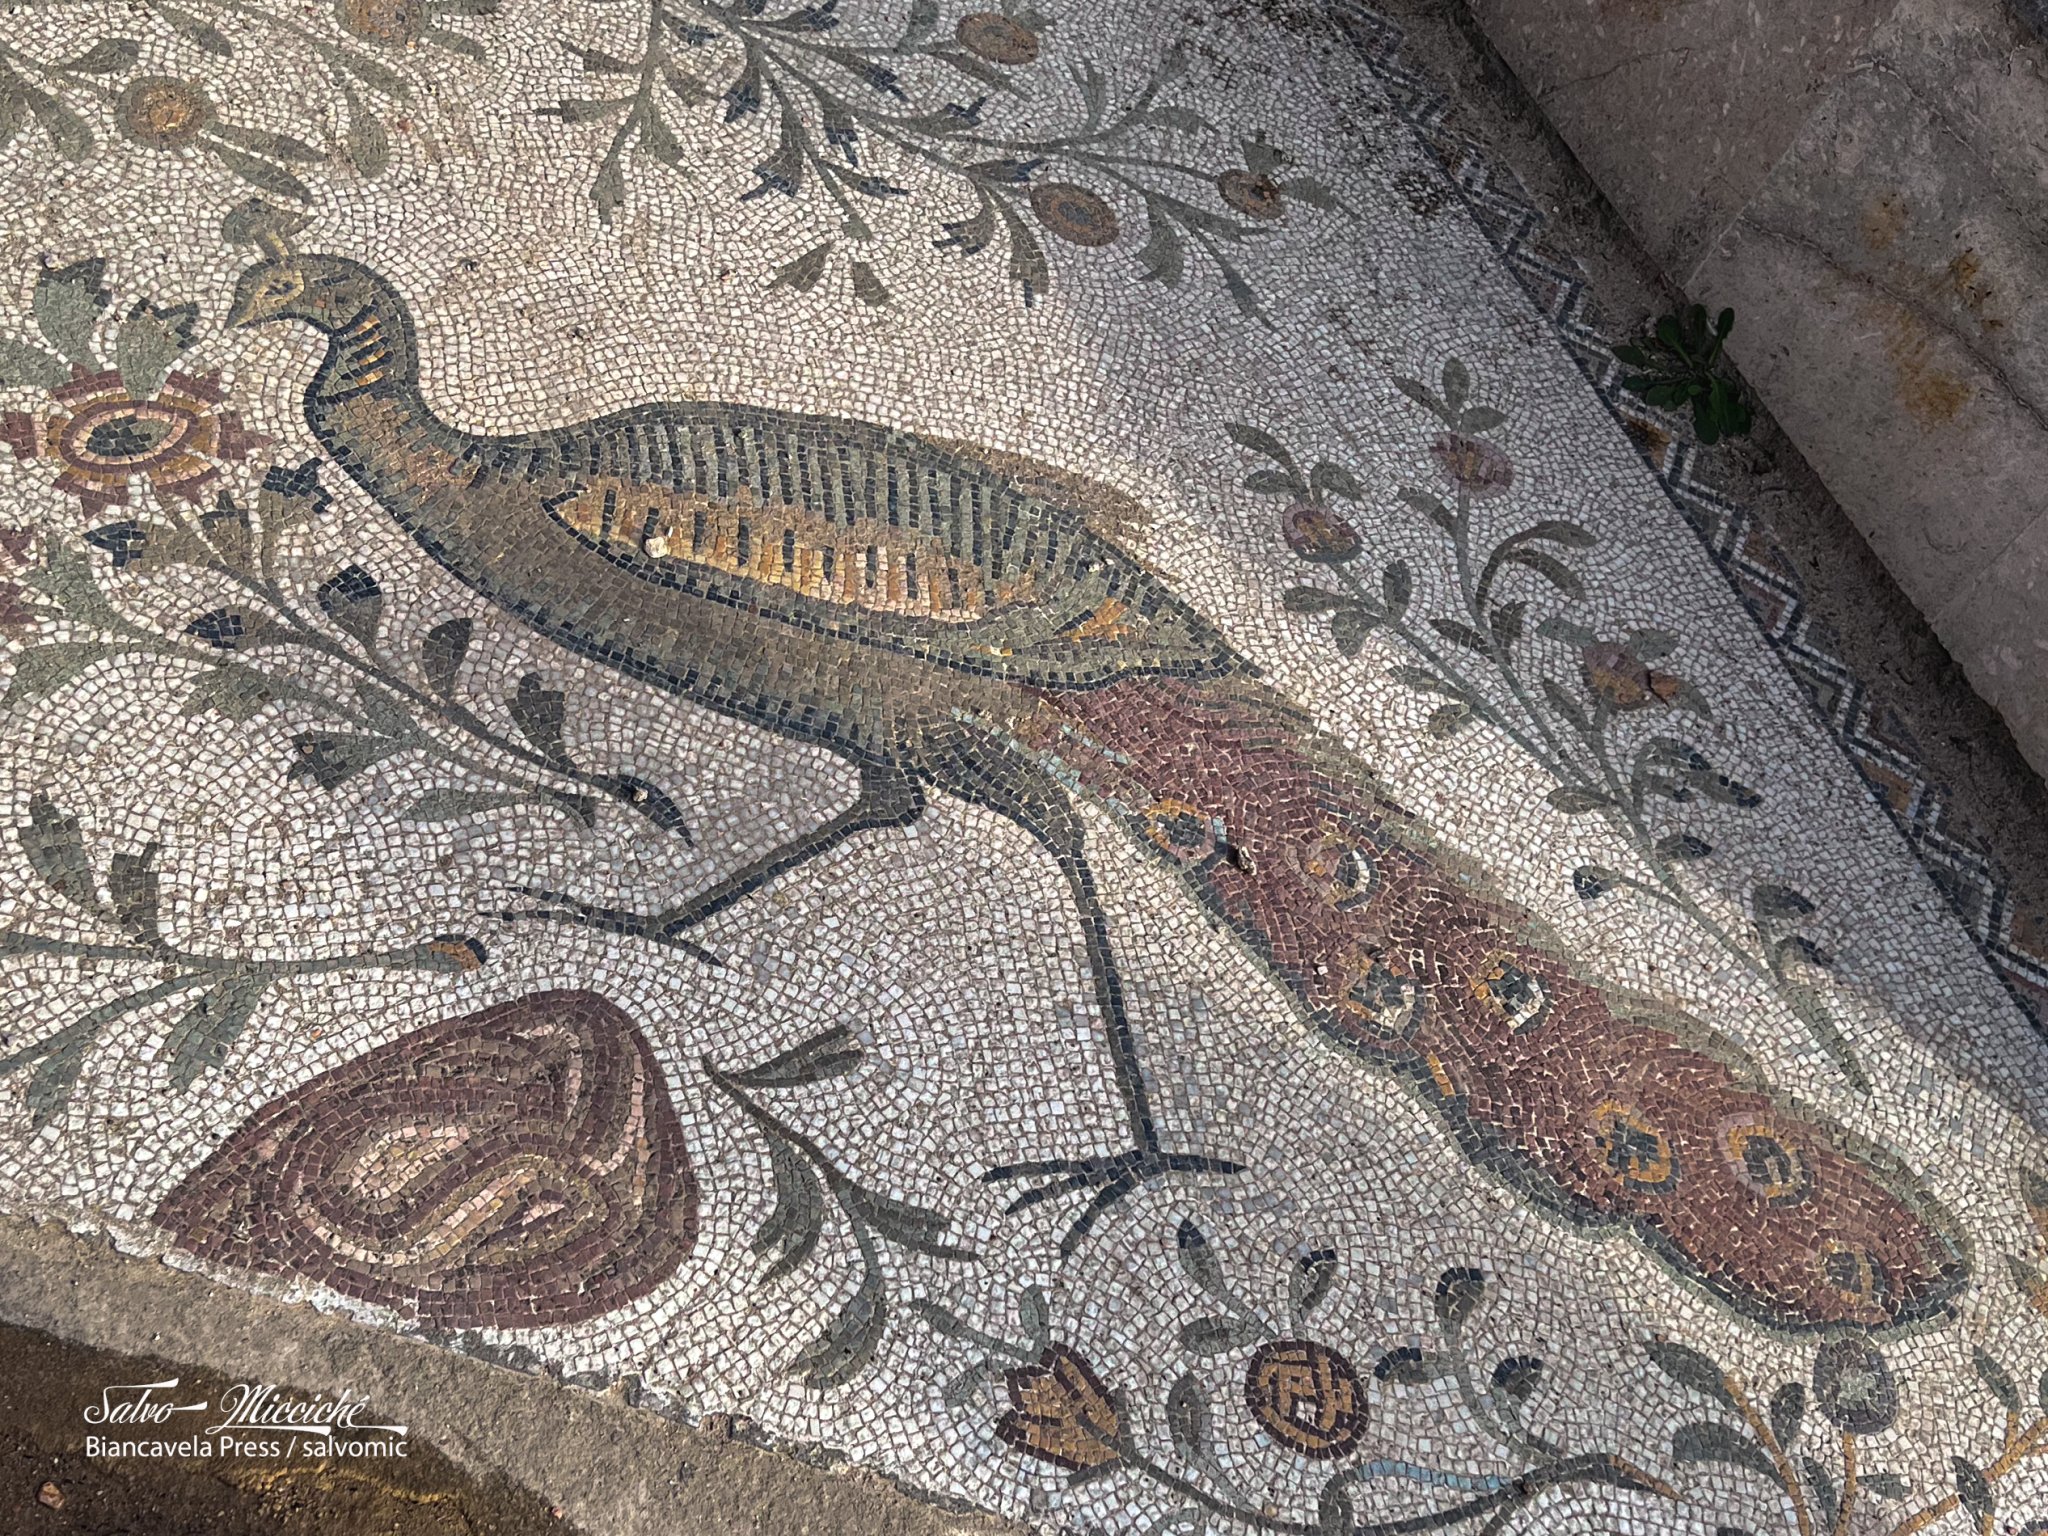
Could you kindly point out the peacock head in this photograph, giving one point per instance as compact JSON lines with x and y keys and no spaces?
{"x":326,"y":292}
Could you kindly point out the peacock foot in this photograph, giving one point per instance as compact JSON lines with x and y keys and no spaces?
{"x":1111,"y":1178}
{"x":655,"y":927}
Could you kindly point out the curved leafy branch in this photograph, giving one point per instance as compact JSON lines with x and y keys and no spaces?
{"x":122,"y":901}
{"x":1490,"y":657}
{"x":851,"y":119}
{"x":92,"y":87}
{"x":805,"y":1177}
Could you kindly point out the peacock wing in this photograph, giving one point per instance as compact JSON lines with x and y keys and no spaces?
{"x":875,"y":536}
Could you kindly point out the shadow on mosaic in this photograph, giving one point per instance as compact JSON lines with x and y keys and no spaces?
{"x":942,"y":727}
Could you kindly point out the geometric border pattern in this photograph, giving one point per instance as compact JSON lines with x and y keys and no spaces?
{"x":1869,"y":732}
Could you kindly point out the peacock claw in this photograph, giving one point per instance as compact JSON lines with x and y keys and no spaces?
{"x":1112,"y":1179}
{"x":557,"y":907}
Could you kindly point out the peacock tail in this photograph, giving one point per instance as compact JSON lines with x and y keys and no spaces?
{"x":1606,"y":1113}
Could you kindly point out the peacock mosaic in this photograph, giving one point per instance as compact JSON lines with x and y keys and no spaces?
{"x":1121,"y":862}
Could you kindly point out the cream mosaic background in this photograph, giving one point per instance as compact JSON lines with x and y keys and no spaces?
{"x":948,"y":946}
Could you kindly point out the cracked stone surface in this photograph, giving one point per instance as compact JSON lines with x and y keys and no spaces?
{"x":962,"y":761}
{"x":1863,"y":185}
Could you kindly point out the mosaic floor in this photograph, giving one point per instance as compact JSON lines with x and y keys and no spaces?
{"x":955,"y":728}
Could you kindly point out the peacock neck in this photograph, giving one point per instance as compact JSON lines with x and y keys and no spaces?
{"x":370,"y":350}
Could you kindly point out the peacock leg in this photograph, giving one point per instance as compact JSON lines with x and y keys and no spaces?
{"x":960,"y":761}
{"x":889,"y":797}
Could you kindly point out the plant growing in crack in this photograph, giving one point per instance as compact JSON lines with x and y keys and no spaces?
{"x":1303,"y":1397}
{"x":1680,"y":368}
{"x":805,"y":1175}
{"x":1482,"y":659}
{"x":853,"y":117}
{"x":123,"y":902}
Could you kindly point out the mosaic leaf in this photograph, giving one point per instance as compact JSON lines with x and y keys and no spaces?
{"x":794,"y":1226}
{"x":540,"y":713}
{"x":442,"y":653}
{"x":1220,"y":1335}
{"x":1409,"y":1366}
{"x":107,"y":56}
{"x":200,"y":33}
{"x":651,"y":802}
{"x":1825,"y":1502}
{"x":1458,"y":1294}
{"x":1994,"y":1377}
{"x":332,"y":760}
{"x":200,"y":1041}
{"x":1975,"y":1492}
{"x":1335,"y":1514}
{"x":1199,"y":1263}
{"x":354,"y":601}
{"x":149,"y":341}
{"x":831,"y":1054}
{"x":366,"y":146}
{"x":132,"y":893}
{"x":55,"y":849}
{"x":1313,"y":1275}
{"x":49,"y":1086}
{"x":1187,"y":1419}
{"x":846,"y":1346}
{"x":1779,"y":901}
{"x":26,"y":367}
{"x":1691,"y":1369}
{"x":236,"y":692}
{"x":1710,"y":1442}
{"x":68,"y":302}
{"x":1788,"y":1409}
{"x":45,"y":669}
{"x":1034,"y":1315}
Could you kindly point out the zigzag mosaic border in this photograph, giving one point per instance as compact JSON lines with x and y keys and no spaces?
{"x":2013,"y":939}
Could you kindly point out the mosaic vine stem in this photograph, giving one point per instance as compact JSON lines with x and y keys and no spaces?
{"x":1622,"y":798}
{"x":792,"y":68}
{"x":804,"y":1172}
{"x":1571,"y":741}
{"x":1299,"y":1392}
{"x":235,"y":987}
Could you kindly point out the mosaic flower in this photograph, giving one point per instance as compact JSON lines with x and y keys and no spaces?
{"x":105,"y":438}
{"x":997,"y":38}
{"x":1853,"y":1386}
{"x":163,"y":112}
{"x":107,"y":427}
{"x":1074,"y":213}
{"x":1476,"y":467}
{"x":1255,"y":196}
{"x":1307,"y":1397}
{"x":1314,"y":532}
{"x":1621,"y":680}
{"x":408,"y":23}
{"x":1061,"y":1412}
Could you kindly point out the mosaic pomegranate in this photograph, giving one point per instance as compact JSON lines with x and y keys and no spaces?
{"x":515,"y":1168}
